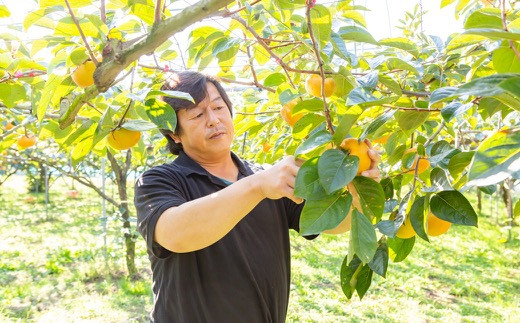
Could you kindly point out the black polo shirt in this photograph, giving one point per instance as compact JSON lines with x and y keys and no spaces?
{"x":243,"y":277}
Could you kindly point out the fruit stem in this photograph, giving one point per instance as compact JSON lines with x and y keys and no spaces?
{"x":322,"y":72}
{"x":120,"y":123}
{"x":91,"y":54}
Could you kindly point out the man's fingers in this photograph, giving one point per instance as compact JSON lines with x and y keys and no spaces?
{"x":299,"y":162}
{"x":374,"y":155}
{"x":372,"y":173}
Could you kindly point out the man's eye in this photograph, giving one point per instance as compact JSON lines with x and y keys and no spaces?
{"x":220,"y":108}
{"x":198,"y":116}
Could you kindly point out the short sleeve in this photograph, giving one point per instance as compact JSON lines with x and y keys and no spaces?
{"x":294,"y":211}
{"x":156,"y":191}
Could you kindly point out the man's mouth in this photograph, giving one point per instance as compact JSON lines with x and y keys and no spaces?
{"x":217,"y":134}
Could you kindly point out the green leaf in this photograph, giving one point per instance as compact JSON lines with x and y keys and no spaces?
{"x":314,"y":141}
{"x":67,"y":27}
{"x":357,"y":34}
{"x":343,"y":84}
{"x":376,"y":123}
{"x":346,"y":122}
{"x":463,"y":40}
{"x":224,"y":44}
{"x":511,"y":85}
{"x":161,"y":114}
{"x":516,"y":210}
{"x":275,"y":79}
{"x":311,"y":105}
{"x":390,"y":84}
{"x":363,"y":236}
{"x":410,"y":120}
{"x":394,"y":63}
{"x":4,"y":12}
{"x":484,"y":18}
{"x":48,"y":91}
{"x":138,"y":125}
{"x":399,"y":249}
{"x":104,"y":126}
{"x":453,"y":207}
{"x":321,"y":22}
{"x":379,"y":263}
{"x":73,"y":3}
{"x":439,"y":180}
{"x":442,"y":94}
{"x":170,"y":94}
{"x":10,"y":94}
{"x":364,"y":280}
{"x":487,"y":107}
{"x":401,"y":43}
{"x":355,"y":16}
{"x":338,"y":44}
{"x":370,"y":195}
{"x":444,"y":3}
{"x":497,"y":158}
{"x":505,"y":60}
{"x":347,"y":272}
{"x":493,"y":33}
{"x":417,"y":217}
{"x":484,"y":86}
{"x":307,"y":183}
{"x":336,"y":169}
{"x":78,"y":56}
{"x":440,"y":153}
{"x":508,"y":99}
{"x":459,"y":162}
{"x":388,"y":187}
{"x":306,"y":124}
{"x":324,"y":214}
{"x":454,"y":109}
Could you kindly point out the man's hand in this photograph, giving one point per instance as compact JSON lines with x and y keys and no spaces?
{"x":278,"y":181}
{"x":373,"y":172}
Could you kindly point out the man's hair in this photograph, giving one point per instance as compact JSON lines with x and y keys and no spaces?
{"x":195,"y":84}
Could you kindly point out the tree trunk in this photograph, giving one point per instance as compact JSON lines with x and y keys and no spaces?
{"x":509,"y":205}
{"x":479,"y":201}
{"x":129,"y":235}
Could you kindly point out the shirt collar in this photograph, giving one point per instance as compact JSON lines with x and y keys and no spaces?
{"x":192,"y":167}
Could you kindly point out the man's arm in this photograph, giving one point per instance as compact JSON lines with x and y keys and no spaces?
{"x":200,"y":223}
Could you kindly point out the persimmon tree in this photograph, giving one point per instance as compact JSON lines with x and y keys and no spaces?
{"x":444,"y":114}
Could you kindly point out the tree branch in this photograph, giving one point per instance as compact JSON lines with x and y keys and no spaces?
{"x":91,"y":54}
{"x":275,"y":57}
{"x":258,"y":85}
{"x":158,"y":11}
{"x":257,"y":113}
{"x":417,"y":94}
{"x":102,"y":11}
{"x":504,"y":25}
{"x":229,"y":13}
{"x":27,"y":120}
{"x":410,"y":109}
{"x":82,"y":180}
{"x":322,"y":73}
{"x":124,"y":55}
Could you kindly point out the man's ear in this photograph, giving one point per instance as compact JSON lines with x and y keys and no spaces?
{"x":175,"y":138}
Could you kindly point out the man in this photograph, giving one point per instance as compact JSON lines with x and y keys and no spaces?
{"x":216,"y":227}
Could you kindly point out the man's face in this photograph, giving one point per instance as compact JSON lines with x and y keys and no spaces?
{"x":206,"y":129}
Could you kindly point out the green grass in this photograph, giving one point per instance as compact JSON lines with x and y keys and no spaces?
{"x":53,"y":267}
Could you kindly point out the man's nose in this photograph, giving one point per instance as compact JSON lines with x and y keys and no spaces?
{"x":212,"y":118}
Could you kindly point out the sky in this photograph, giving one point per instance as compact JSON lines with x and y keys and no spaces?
{"x":381,"y":19}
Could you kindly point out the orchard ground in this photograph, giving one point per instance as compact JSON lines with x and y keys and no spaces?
{"x":53,"y":269}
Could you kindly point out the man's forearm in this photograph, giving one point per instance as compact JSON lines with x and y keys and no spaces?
{"x":200,"y":223}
